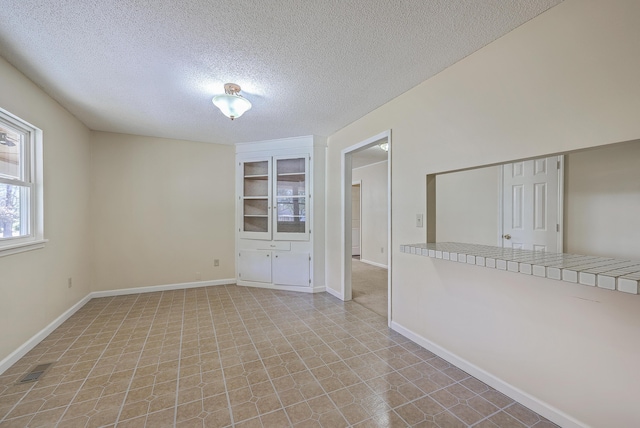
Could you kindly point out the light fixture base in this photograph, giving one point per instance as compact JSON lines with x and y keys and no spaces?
{"x":231,"y":88}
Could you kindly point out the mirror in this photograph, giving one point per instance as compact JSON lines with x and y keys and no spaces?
{"x":597,"y":202}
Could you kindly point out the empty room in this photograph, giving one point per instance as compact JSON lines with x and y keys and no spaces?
{"x":196,"y":197}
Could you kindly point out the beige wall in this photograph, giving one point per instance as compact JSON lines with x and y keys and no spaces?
{"x":163,"y":210}
{"x":563,"y":81}
{"x":374,"y":212}
{"x":602,"y":202}
{"x":467,"y":206}
{"x":33,"y":285}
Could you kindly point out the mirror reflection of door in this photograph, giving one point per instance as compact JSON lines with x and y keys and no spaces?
{"x":355,"y":219}
{"x":532,"y":201}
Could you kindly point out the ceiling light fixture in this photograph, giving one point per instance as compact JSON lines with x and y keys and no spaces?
{"x":231,"y":103}
{"x":384,"y":146}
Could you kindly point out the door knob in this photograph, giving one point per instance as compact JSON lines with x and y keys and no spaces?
{"x":507,"y":236}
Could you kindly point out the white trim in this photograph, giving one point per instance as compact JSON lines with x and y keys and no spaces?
{"x":345,"y":187}
{"x":334,"y":293}
{"x":22,"y":247}
{"x":306,"y":141}
{"x":389,"y":234}
{"x":380,"y":265}
{"x":32,"y":165}
{"x":166,"y":287}
{"x":359,"y":184}
{"x":560,"y":232}
{"x":27,"y":346}
{"x":533,"y":403}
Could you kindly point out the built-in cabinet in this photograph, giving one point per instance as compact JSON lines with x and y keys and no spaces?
{"x":280,"y":213}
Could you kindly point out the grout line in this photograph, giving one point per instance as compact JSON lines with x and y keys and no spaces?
{"x":33,"y":386}
{"x":224,"y":380}
{"x":260,"y":358}
{"x":131,"y":306}
{"x":184,"y":301}
{"x":126,"y":395}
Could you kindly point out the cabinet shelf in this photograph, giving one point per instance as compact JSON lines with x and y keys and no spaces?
{"x":257,"y":215}
{"x":256,"y":198}
{"x":257,"y":177}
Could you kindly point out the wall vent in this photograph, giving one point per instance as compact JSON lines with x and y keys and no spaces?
{"x":35,"y":373}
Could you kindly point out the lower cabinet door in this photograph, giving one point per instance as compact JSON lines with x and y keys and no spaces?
{"x":254,"y":265}
{"x":291,"y":268}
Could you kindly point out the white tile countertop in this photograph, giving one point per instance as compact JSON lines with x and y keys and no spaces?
{"x":602,"y":272}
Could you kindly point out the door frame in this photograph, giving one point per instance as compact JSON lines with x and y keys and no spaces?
{"x":345,"y":188}
{"x":359,"y":184}
{"x":560,"y":219}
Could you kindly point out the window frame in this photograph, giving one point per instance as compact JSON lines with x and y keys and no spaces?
{"x":31,"y":165}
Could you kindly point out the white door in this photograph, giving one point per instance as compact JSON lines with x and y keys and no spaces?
{"x":531,"y":214}
{"x":291,"y":268}
{"x":254,"y":265}
{"x":355,"y":220}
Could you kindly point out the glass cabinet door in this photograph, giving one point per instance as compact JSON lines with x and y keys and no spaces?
{"x":255,"y":199}
{"x":291,"y":196}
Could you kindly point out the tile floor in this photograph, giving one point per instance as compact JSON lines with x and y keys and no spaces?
{"x":243,"y":357}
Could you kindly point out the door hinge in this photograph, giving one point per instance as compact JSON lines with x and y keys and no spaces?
{"x":309,"y":280}
{"x":309,"y":231}
{"x":239,"y":275}
{"x":557,"y":228}
{"x":557,"y":164}
{"x":239,"y":254}
{"x":309,"y":258}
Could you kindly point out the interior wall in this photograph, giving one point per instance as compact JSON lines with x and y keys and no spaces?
{"x":164,"y":211}
{"x":467,"y":206}
{"x":602,"y":202}
{"x":374,"y":217}
{"x":34,"y":284}
{"x":565,"y":80}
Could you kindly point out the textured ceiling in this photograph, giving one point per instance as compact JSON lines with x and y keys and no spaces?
{"x":151,"y":67}
{"x":368,"y":156}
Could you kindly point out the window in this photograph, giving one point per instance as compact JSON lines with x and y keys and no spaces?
{"x":21,"y":222}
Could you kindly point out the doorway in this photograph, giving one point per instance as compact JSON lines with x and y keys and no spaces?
{"x":374,"y":254}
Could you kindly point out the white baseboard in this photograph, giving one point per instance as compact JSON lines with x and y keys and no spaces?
{"x":27,"y":346}
{"x":533,"y":403}
{"x":166,"y":287}
{"x":334,"y":293}
{"x":298,"y":289}
{"x":380,"y":265}
{"x":12,"y":358}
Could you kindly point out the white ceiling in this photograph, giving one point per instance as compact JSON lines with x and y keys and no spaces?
{"x":309,"y":67}
{"x":368,"y":156}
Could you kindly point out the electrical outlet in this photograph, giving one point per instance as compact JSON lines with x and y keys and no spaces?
{"x":419,"y":220}
{"x":198,"y":276}
{"x":70,"y":282}
{"x":382,"y":249}
{"x":216,"y":262}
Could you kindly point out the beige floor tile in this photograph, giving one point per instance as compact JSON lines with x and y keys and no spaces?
{"x":236,"y":356}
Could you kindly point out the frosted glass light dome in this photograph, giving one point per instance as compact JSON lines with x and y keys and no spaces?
{"x":231,"y":104}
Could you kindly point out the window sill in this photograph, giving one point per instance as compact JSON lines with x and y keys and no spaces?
{"x":600,"y":272}
{"x":22,"y":247}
